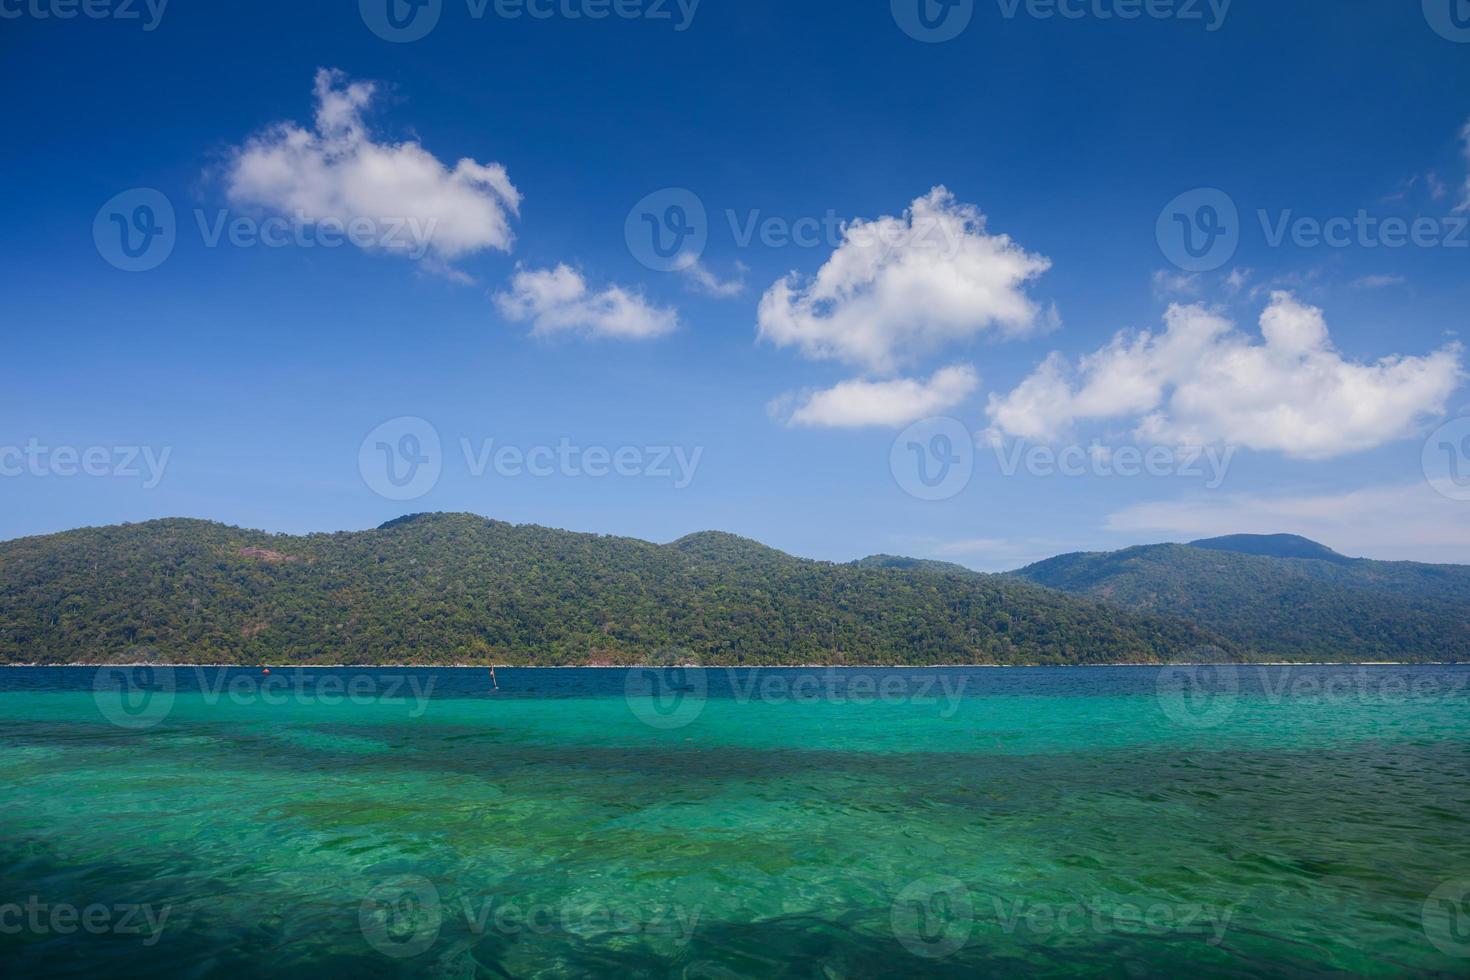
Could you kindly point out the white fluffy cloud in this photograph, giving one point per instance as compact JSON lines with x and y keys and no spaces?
{"x":855,"y":404}
{"x":1202,"y":382}
{"x":898,"y":288}
{"x":1409,"y":522}
{"x":334,"y":171}
{"x":559,"y":300}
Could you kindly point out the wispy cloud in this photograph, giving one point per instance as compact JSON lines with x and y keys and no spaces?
{"x":703,"y":280}
{"x":1377,"y":282}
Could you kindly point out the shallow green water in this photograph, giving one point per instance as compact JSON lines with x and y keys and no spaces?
{"x":1272,"y":822}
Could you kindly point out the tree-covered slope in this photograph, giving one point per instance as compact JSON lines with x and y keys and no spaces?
{"x":1330,"y":608}
{"x":453,"y":588}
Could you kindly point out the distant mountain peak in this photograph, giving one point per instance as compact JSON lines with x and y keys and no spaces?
{"x":902,"y":563}
{"x":722,"y":544}
{"x":1271,"y":546}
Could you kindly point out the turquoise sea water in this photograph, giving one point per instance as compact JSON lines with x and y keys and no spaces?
{"x":1280,"y":821}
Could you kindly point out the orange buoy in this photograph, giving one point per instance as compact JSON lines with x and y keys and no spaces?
{"x":265,"y":670}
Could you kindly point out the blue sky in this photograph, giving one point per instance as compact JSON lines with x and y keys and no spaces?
{"x":1055,"y":157}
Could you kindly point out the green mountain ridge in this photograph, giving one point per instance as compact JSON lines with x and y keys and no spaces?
{"x":458,"y":588}
{"x":1328,"y":608}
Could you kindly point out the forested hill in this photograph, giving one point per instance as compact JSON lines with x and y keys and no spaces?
{"x":455,"y":588}
{"x":1324,"y":607}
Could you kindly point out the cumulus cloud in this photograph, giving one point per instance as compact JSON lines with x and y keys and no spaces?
{"x":900,"y":287}
{"x":1202,"y":382}
{"x":1407,"y":522}
{"x":559,"y":301}
{"x":856,"y":404}
{"x":335,"y":171}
